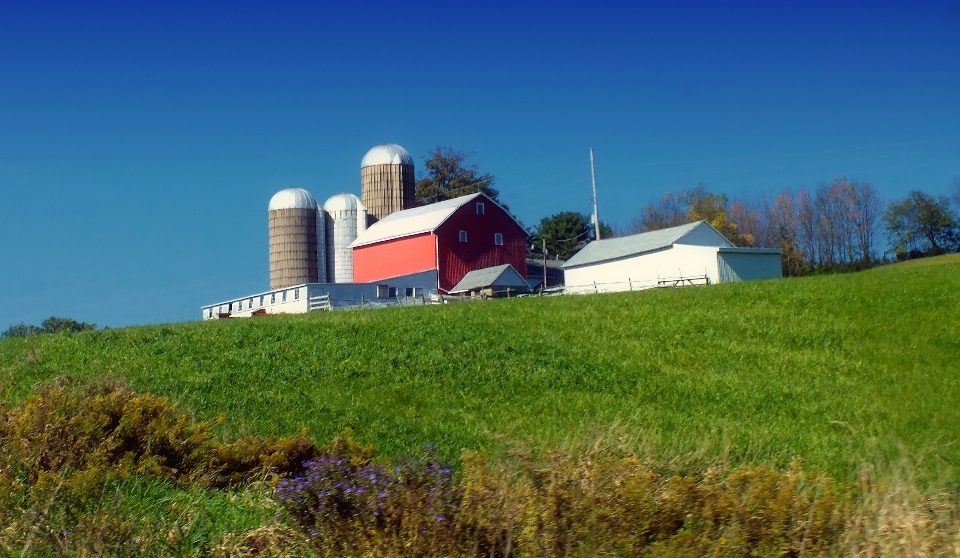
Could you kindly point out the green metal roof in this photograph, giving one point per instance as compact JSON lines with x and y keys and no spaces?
{"x":615,"y":248}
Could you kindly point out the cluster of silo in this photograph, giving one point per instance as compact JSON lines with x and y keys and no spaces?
{"x":311,"y":244}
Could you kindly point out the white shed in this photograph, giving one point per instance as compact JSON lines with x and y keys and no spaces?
{"x":691,"y":254}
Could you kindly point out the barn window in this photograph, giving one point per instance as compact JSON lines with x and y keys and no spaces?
{"x":383,"y":291}
{"x":261,"y":300}
{"x":408,"y":291}
{"x":296,"y":294}
{"x":463,"y":236}
{"x":209,"y":312}
{"x":283,"y":297}
{"x":273,"y":298}
{"x":498,"y":239}
{"x":479,"y":208}
{"x":250,"y":304}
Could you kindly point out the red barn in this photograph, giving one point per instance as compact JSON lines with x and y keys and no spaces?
{"x":453,"y":237}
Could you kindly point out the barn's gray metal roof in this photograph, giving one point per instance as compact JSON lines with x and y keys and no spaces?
{"x":501,"y":275}
{"x":419,"y":220}
{"x":412,"y":221}
{"x":614,"y":248}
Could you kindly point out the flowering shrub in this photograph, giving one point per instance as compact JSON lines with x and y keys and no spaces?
{"x":351,"y":508}
{"x":599,"y":503}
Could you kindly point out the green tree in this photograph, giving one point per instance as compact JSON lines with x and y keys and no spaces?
{"x":565,"y":233}
{"x":448,"y":175}
{"x":52,"y":324}
{"x":21,"y":330}
{"x":921,"y":224}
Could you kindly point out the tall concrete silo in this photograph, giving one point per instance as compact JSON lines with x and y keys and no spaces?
{"x":293,"y":238}
{"x":346,"y":218}
{"x":387,"y":181}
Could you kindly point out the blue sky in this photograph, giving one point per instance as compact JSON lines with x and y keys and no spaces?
{"x":140,"y":144}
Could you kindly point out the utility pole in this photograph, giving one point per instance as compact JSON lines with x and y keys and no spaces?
{"x":593,"y":177}
{"x":544,"y":264}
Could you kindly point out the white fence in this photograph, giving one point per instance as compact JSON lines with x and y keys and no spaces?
{"x":636,"y":285}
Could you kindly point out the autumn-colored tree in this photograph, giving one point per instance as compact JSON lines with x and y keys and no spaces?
{"x":688,"y":206}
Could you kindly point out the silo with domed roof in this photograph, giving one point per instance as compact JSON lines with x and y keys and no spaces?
{"x":293,"y":219}
{"x":387,"y":181}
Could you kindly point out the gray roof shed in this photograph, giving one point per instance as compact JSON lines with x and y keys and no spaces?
{"x":699,"y":232}
{"x":498,"y":276}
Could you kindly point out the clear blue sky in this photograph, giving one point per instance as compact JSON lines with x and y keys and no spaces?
{"x":140,"y":142}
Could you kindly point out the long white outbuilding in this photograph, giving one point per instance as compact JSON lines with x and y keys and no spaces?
{"x":691,"y":254}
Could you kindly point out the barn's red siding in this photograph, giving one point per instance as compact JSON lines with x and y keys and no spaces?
{"x":456,"y":258}
{"x":392,"y":258}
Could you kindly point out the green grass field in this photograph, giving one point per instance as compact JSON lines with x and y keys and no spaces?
{"x":841,"y":370}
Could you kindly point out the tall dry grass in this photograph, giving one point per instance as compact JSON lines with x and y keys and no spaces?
{"x":98,"y":470}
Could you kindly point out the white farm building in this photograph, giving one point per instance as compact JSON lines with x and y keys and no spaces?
{"x":691,"y":254}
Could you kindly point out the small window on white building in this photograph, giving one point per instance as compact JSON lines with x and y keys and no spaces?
{"x":296,"y":294}
{"x":230,"y":307}
{"x":273,"y":298}
{"x":283,"y":297}
{"x":463,"y":236}
{"x":209,"y":312}
{"x":250,"y":304}
{"x":261,"y":301}
{"x":479,"y":208}
{"x":498,"y":239}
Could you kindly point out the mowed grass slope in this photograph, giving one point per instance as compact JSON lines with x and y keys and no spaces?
{"x":840,"y":370}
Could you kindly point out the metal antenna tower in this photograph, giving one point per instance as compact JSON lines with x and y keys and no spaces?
{"x":593,"y":177}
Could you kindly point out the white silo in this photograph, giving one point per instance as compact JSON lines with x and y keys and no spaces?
{"x":293,"y":238}
{"x":346,"y":218}
{"x":387,"y":180}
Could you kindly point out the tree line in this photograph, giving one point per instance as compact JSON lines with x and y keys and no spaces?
{"x":839,"y":225}
{"x":51,"y":325}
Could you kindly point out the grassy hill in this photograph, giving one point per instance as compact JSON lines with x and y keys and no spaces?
{"x":840,"y":370}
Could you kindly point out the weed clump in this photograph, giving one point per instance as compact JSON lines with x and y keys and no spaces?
{"x":63,"y":448}
{"x":350,"y":508}
{"x":598,"y":503}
